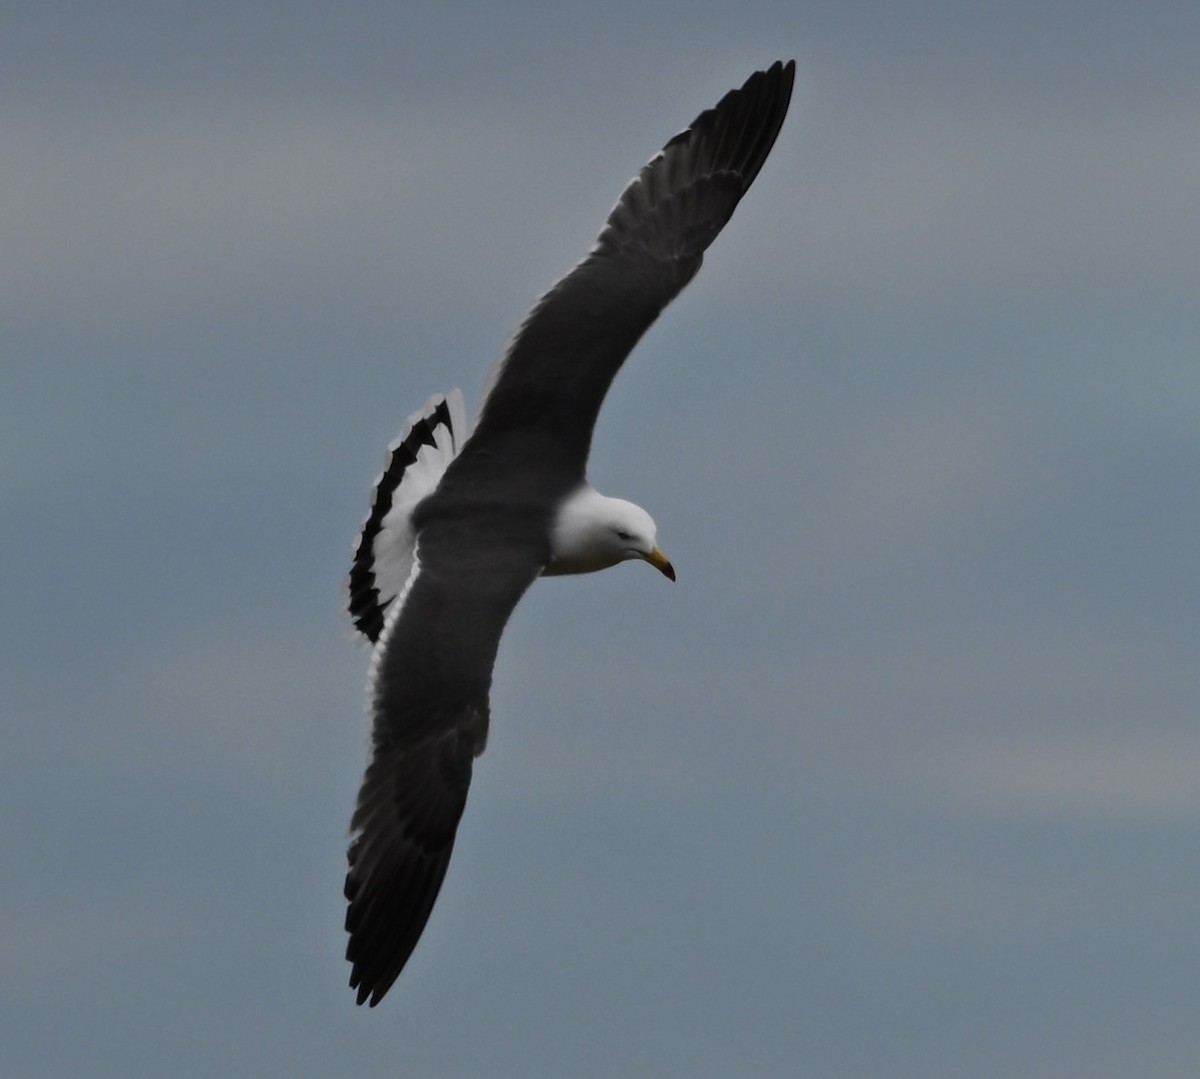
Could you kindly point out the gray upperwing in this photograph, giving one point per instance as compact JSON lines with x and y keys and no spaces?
{"x":563,"y":357}
{"x":430,"y":679}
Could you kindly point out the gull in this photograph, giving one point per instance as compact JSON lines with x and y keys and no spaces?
{"x":464,"y":520}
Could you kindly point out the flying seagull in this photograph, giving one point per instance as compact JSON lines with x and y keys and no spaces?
{"x":463,"y":522}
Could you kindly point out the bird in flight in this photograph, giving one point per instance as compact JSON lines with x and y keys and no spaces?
{"x":463,"y":521}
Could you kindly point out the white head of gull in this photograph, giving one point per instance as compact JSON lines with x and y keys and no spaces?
{"x":593,"y":532}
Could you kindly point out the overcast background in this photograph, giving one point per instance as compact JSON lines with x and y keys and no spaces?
{"x":901,"y":778}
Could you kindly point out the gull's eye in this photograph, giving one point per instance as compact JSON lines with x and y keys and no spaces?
{"x":624,"y":536}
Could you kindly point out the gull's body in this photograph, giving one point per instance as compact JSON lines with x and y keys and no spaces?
{"x":463,"y":522}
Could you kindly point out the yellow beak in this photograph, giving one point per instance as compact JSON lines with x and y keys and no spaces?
{"x":661,"y":563}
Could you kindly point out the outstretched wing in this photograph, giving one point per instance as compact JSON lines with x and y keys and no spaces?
{"x":429,"y":687}
{"x":561,"y":361}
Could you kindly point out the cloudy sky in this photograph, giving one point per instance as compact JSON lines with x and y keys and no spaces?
{"x":901,"y":778}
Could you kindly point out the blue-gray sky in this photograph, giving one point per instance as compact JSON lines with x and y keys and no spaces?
{"x":900,"y":779}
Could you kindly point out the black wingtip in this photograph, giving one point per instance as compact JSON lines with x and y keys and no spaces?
{"x":684,"y":196}
{"x":750,"y":118}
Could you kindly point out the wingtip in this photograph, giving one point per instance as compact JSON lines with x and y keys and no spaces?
{"x":364,"y":994}
{"x":369,"y":990}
